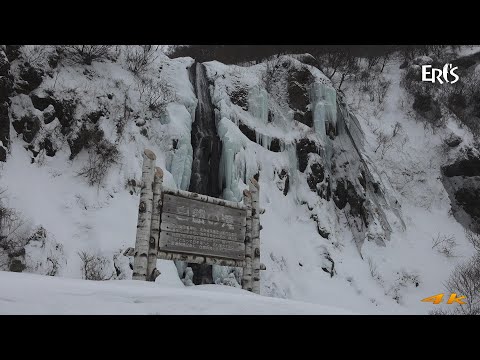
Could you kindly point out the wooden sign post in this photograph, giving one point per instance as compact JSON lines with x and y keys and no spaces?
{"x":186,"y":226}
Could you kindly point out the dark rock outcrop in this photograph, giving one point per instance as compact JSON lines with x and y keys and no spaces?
{"x":462,"y":182}
{"x":6,"y":89}
{"x":427,"y":107}
{"x":48,"y":146}
{"x":315,"y":176}
{"x":42,"y":102}
{"x":239,"y":96}
{"x":285,"y":178}
{"x":12,"y":52}
{"x":30,"y":78}
{"x":84,"y":138}
{"x":299,"y":81}
{"x":28,"y":126}
{"x":249,"y":133}
{"x":345,"y":193}
{"x":304,"y":147}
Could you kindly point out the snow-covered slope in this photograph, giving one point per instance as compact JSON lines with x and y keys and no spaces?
{"x":348,"y":222}
{"x":35,"y":294}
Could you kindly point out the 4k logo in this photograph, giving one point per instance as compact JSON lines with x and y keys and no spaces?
{"x":440,"y":75}
{"x":437,"y":299}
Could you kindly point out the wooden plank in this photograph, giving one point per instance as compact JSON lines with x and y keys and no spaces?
{"x":201,"y":245}
{"x":204,"y":198}
{"x":197,"y":259}
{"x":201,"y":210}
{"x":189,"y":225}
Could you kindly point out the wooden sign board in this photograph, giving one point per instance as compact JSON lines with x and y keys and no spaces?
{"x":185,"y":226}
{"x":195,"y":227}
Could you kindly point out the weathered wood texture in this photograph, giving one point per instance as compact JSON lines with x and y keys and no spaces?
{"x":155,"y":225}
{"x":203,"y":211}
{"x":194,"y":227}
{"x":201,"y":245}
{"x":144,"y":218}
{"x":247,"y":270}
{"x":255,"y":191}
{"x":204,"y":198}
{"x":185,"y":225}
{"x":198,"y":259}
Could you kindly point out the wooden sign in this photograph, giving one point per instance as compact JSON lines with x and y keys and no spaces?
{"x":185,"y":226}
{"x":195,"y":227}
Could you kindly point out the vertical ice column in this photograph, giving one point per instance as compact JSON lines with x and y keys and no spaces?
{"x":180,"y":164}
{"x":179,"y":160}
{"x":237,"y":162}
{"x":258,"y":104}
{"x":324,"y":107}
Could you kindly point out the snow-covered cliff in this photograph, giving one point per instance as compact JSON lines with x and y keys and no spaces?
{"x":348,"y":221}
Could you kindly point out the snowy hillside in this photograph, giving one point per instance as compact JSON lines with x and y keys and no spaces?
{"x":353,"y":202}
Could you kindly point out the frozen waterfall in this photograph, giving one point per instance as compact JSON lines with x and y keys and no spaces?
{"x":324,"y":108}
{"x":205,"y":141}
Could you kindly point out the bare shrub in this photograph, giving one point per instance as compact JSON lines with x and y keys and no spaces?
{"x":372,"y":61}
{"x":404,"y":280}
{"x":465,"y":281}
{"x":473,"y":239}
{"x":85,"y":54}
{"x":36,"y":54}
{"x":95,"y":266}
{"x":380,"y":89}
{"x":157,"y":94}
{"x":14,"y":231}
{"x":101,"y":157}
{"x":374,"y":271}
{"x":445,"y":244}
{"x":385,"y":141}
{"x":139,"y":57}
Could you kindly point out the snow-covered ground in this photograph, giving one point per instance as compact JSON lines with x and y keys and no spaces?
{"x":37,"y":294}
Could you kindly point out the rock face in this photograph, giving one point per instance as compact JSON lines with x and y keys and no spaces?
{"x":6,"y":87}
{"x":304,"y":148}
{"x":298,"y":96}
{"x":28,"y":126}
{"x":427,"y":107}
{"x":30,"y":78}
{"x":462,"y":182}
{"x":453,"y":140}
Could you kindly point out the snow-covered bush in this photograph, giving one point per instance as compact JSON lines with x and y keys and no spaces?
{"x":139,"y":57}
{"x":404,"y":280}
{"x":230,"y":280}
{"x":445,"y":244}
{"x":85,"y":54}
{"x":14,"y":233}
{"x":43,"y":254}
{"x":473,"y":239}
{"x":36,"y":55}
{"x":25,"y":248}
{"x":101,"y":157}
{"x":464,"y":281}
{"x":95,"y":266}
{"x":156,"y":93}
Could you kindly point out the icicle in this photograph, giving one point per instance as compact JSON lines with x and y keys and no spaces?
{"x":258,"y":104}
{"x":324,"y":106}
{"x":179,"y":163}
